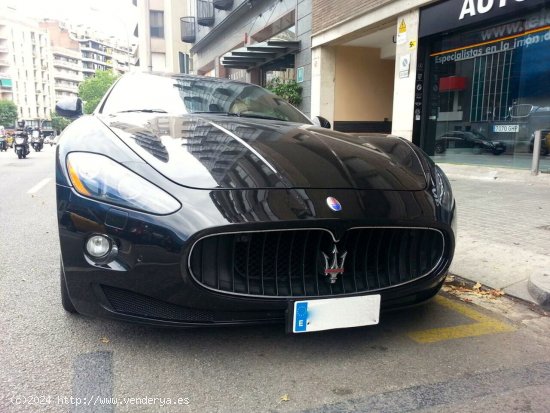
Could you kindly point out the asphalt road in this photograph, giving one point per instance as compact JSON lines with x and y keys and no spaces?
{"x":450,"y":355}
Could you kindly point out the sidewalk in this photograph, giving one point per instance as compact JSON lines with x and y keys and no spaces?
{"x":503,"y":226}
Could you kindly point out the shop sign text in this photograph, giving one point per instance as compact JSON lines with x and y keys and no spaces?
{"x":473,"y":7}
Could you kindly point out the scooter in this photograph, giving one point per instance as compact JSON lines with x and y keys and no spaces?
{"x":37,"y":142}
{"x":3,"y":144}
{"x":21,"y":145}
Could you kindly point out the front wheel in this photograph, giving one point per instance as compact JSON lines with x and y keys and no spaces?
{"x":19,"y":155}
{"x":439,"y":148}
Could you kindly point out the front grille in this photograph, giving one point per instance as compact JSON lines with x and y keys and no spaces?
{"x":292,"y":264}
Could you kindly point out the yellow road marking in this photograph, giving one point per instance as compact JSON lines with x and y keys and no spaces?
{"x":483,"y":325}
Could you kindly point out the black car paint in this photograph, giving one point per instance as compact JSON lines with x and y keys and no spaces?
{"x":274,"y":154}
{"x":152,"y":260}
{"x":468,"y":140}
{"x":148,"y":243}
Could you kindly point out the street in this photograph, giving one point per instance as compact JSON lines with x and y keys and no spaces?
{"x":460,"y":352}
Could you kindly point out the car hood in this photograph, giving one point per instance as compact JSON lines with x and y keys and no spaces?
{"x":217,"y":151}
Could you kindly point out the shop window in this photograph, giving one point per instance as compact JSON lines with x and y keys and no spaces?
{"x":489,"y":87}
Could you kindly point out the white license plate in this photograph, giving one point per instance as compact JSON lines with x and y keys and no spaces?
{"x":506,"y":128}
{"x":331,"y":313}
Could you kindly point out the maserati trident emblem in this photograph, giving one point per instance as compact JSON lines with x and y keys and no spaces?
{"x":332,"y":269}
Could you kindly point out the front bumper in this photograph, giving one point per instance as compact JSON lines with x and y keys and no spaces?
{"x":149,"y":282}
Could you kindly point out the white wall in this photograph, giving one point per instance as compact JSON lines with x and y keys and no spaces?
{"x":404,"y":88}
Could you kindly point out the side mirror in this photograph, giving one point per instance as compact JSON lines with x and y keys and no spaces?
{"x":69,"y":108}
{"x":322,"y":122}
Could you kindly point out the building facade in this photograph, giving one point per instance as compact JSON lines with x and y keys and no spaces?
{"x":43,"y":62}
{"x":65,"y":61}
{"x":251,"y":40}
{"x":159,"y":39}
{"x":466,"y":80}
{"x":485,"y":78}
{"x":24,"y":68}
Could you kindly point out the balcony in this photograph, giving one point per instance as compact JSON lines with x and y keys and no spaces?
{"x":107,"y":64}
{"x":205,"y":13}
{"x":68,"y":76}
{"x":188,"y":29}
{"x":4,"y":63}
{"x":66,"y":65}
{"x":104,"y":52}
{"x":3,"y":49}
{"x":66,"y":88}
{"x":223,"y":4}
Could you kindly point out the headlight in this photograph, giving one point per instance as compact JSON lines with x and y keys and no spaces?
{"x":441,"y":189}
{"x":98,"y":177}
{"x":19,"y":140}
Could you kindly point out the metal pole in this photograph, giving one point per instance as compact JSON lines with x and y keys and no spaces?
{"x":536,"y":153}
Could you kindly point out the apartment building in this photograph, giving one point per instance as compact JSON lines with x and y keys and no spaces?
{"x":24,"y":68}
{"x":65,"y":60}
{"x":159,"y":46}
{"x":252,"y":40}
{"x":99,"y":54}
{"x":6,"y":79}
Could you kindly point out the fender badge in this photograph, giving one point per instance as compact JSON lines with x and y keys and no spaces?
{"x":334,"y":204}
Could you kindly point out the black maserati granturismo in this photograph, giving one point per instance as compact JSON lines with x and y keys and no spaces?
{"x":192,"y":201}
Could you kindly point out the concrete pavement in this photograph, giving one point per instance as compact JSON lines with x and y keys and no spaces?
{"x":503,"y":227}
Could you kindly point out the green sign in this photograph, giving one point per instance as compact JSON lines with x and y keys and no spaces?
{"x":300,"y":74}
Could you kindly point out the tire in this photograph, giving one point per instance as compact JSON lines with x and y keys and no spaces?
{"x":65,"y":299}
{"x":497,"y":152}
{"x":19,"y":155}
{"x":439,"y":148}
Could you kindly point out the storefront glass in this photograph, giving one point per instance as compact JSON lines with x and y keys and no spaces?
{"x":488,"y":91}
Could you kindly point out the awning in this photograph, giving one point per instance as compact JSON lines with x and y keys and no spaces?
{"x":273,"y":53}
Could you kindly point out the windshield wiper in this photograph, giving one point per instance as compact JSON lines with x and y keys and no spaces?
{"x":242,"y":114}
{"x":246,"y":114}
{"x":143,"y":110}
{"x":215,"y":112}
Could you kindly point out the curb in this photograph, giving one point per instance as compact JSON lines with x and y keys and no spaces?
{"x":493,"y":174}
{"x":460,"y":281}
{"x":539,"y":288}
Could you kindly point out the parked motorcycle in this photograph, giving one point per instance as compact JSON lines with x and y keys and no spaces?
{"x":3,"y":143}
{"x":37,"y":141}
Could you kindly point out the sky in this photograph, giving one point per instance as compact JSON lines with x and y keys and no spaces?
{"x":112,"y":17}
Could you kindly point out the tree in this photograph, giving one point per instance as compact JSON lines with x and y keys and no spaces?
{"x":59,"y":122}
{"x":8,"y":113}
{"x":92,"y":89}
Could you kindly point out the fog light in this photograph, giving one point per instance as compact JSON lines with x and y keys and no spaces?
{"x":98,"y":246}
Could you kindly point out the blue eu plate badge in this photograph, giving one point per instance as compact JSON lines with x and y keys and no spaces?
{"x":300,"y":319}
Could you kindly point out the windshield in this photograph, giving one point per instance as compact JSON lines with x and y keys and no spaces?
{"x":190,"y":94}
